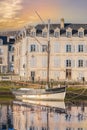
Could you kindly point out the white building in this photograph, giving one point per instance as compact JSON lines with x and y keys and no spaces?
{"x":6,"y":54}
{"x":68,"y":52}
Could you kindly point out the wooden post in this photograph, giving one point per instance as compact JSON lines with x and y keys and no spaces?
{"x":48,"y":54}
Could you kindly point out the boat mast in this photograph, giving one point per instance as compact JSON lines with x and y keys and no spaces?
{"x":48,"y":54}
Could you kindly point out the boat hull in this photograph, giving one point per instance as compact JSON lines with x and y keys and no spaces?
{"x":45,"y":97}
{"x":55,"y":94}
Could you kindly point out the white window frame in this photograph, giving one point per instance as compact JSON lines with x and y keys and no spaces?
{"x":44,"y":33}
{"x":1,"y":51}
{"x":32,"y":48}
{"x":68,"y":48}
{"x":44,"y":61}
{"x":33,"y":62}
{"x":68,"y":63}
{"x":56,"y":34}
{"x":56,"y":61}
{"x":80,"y":63}
{"x":69,"y":34}
{"x":80,"y":48}
{"x":44,"y":48}
{"x":81,"y":34}
{"x":1,"y":42}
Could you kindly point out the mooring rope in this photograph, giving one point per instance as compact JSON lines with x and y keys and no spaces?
{"x":78,"y":94}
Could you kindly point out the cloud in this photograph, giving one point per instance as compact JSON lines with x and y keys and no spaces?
{"x":10,"y":8}
{"x":33,"y":17}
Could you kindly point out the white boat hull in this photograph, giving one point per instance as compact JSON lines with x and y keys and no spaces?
{"x":46,"y":97}
{"x":56,"y":94}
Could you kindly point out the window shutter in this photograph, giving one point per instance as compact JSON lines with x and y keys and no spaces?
{"x":77,"y":63}
{"x":65,"y":48}
{"x":33,"y":62}
{"x":29,"y":48}
{"x":76,"y":48}
{"x":44,"y":61}
{"x":65,"y":63}
{"x":85,"y":48}
{"x":56,"y":47}
{"x":37,"y":47}
{"x":84,"y":63}
{"x":73,"y":48}
{"x":56,"y":61}
{"x":73,"y":63}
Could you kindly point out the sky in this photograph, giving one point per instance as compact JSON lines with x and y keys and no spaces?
{"x":15,"y":14}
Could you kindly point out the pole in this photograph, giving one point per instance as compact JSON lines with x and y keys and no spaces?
{"x":48,"y":54}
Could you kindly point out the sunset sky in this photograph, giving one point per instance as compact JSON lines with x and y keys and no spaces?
{"x":15,"y":14}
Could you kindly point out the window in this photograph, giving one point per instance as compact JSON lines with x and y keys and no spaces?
{"x":68,"y":63}
{"x":33,"y":61}
{"x":1,"y":60}
{"x":81,"y":34}
{"x":56,"y":47}
{"x":32,"y":48}
{"x":12,"y":58}
{"x":33,"y":34}
{"x":1,"y":41}
{"x":80,"y":63}
{"x":68,"y":48}
{"x":69,"y":34}
{"x":56,"y":34}
{"x":44,"y":34}
{"x":80,"y":48}
{"x":1,"y":51}
{"x":44,"y":61}
{"x":56,"y":61}
{"x":44,"y":48}
{"x":56,"y":74}
{"x":11,"y":48}
{"x":44,"y":74}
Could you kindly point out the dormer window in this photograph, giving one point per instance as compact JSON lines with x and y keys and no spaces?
{"x":69,"y":32}
{"x":1,"y":42}
{"x":44,"y":32}
{"x":33,"y":32}
{"x":57,"y":32}
{"x":81,"y":32}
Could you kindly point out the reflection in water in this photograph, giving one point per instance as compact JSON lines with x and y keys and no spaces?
{"x":37,"y":117}
{"x":6,"y":118}
{"x":43,"y":116}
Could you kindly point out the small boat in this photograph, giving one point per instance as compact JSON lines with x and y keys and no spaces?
{"x":50,"y":94}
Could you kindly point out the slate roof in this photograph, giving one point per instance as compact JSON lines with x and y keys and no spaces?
{"x":74,"y":28}
{"x":4,"y":38}
{"x":5,"y":42}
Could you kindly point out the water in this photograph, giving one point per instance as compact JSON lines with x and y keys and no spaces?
{"x":23,"y":115}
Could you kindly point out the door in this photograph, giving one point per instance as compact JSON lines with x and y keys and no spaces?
{"x":33,"y":75}
{"x":68,"y":74}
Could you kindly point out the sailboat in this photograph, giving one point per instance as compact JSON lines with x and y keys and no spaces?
{"x":48,"y":94}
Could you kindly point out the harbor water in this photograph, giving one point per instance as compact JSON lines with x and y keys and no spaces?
{"x":31,"y":115}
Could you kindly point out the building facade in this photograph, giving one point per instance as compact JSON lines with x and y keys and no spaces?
{"x":6,"y":54}
{"x":68,"y":52}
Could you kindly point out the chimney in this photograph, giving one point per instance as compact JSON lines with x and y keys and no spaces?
{"x":62,"y":23}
